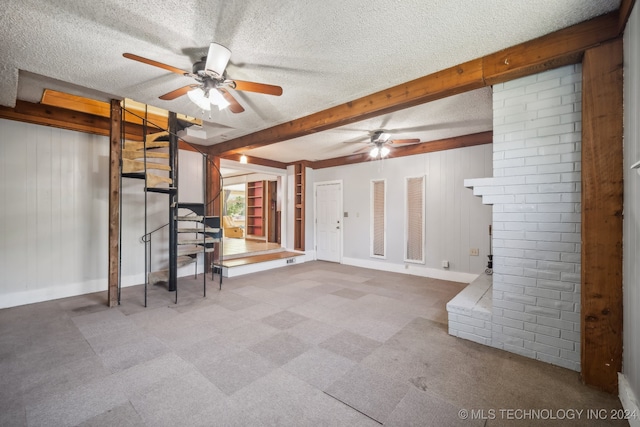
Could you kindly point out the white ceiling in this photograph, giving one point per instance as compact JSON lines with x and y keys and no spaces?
{"x":321,"y":53}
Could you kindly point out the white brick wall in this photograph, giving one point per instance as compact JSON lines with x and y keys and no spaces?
{"x":535,"y":195}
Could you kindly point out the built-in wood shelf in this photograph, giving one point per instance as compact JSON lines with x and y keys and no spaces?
{"x":255,"y":209}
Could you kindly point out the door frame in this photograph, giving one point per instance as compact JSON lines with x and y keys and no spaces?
{"x":340,"y":215}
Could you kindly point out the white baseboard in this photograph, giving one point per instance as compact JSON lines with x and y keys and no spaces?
{"x":629,"y":400}
{"x":33,"y":296}
{"x":412,"y":269}
{"x":263,"y":266}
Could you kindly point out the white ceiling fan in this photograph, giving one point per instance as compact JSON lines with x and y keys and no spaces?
{"x":382,"y":142}
{"x":212,"y":81}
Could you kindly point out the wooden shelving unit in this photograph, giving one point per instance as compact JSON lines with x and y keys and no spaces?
{"x":298,"y":227}
{"x":255,"y":209}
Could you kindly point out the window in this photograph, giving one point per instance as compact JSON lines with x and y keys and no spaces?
{"x":378,"y":217}
{"x":414,"y":221}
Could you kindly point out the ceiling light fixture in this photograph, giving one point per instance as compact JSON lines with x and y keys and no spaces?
{"x":198,"y":97}
{"x":243,"y":159}
{"x":379,"y":150}
{"x":216,"y":98}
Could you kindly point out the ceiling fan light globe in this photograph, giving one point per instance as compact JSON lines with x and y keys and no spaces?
{"x":217,"y":60}
{"x":198,"y":97}
{"x":374,"y":152}
{"x":384,"y":151}
{"x":216,"y":98}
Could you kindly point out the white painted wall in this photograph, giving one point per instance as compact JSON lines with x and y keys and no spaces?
{"x":54,"y":215}
{"x":631,"y":247}
{"x":455,"y":220}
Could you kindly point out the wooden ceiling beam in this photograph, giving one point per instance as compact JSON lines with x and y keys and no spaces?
{"x":410,"y":150}
{"x":256,"y":160}
{"x":452,"y":81}
{"x":563,"y":47}
{"x":63,"y":118}
{"x":550,"y":51}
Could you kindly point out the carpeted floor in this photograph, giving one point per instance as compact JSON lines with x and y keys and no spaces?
{"x":313,"y":344}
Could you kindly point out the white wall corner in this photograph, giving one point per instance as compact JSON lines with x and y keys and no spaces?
{"x":629,"y":400}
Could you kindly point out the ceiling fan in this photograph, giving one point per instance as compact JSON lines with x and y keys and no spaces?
{"x":212,"y":82}
{"x":381,"y":142}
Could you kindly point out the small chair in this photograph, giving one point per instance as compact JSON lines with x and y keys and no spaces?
{"x":230,"y":229}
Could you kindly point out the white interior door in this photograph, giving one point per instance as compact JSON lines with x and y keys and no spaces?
{"x":329,"y":221}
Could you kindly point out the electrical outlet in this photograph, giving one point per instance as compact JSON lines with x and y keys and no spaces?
{"x":445,"y":264}
{"x":474,"y":252}
{"x":291,"y":261}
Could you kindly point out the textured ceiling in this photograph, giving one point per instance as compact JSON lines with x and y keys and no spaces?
{"x":321,"y":53}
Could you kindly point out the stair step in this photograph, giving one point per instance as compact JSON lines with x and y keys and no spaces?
{"x":196,"y":218}
{"x":198,"y":241}
{"x":153,"y":180}
{"x":165,"y":190}
{"x":153,"y":137}
{"x":139,"y":145}
{"x":138,"y":166}
{"x":193,"y":251}
{"x":185,"y":260}
{"x":199,"y":230}
{"x":163,"y":275}
{"x":158,"y":276}
{"x":197,"y":208}
{"x":136,"y":175}
{"x":139,"y":154}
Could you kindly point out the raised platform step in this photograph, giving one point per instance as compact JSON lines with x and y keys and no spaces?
{"x":254,"y":253}
{"x":254,"y":259}
{"x":470,"y":311}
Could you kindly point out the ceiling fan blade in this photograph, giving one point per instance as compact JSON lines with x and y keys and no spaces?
{"x":405,"y":141}
{"x":234,"y":106}
{"x":257,"y":87}
{"x":363,"y":149}
{"x":154,"y":63}
{"x":178,"y":92}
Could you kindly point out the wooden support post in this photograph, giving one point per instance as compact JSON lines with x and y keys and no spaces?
{"x":602,"y":190}
{"x":115,"y":154}
{"x":213,"y":191}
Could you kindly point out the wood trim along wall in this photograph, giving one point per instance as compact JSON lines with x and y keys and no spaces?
{"x":602,"y":191}
{"x":410,"y":150}
{"x":115,"y":154}
{"x":550,"y":51}
{"x":624,"y":11}
{"x":255,"y":160}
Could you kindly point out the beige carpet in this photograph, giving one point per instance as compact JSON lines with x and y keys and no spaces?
{"x":313,"y":344}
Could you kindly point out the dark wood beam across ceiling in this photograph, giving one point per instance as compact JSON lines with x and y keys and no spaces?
{"x":550,"y":51}
{"x":410,"y":150}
